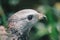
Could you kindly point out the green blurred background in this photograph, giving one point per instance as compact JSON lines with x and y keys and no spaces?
{"x":44,"y":30}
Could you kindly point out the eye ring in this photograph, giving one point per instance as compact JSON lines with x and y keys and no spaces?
{"x":30,"y":17}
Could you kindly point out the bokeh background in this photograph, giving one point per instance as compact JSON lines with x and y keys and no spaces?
{"x":45,"y":29}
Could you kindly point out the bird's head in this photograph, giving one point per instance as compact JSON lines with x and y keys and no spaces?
{"x":23,"y":20}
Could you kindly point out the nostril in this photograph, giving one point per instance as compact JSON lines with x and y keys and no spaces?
{"x":44,"y":20}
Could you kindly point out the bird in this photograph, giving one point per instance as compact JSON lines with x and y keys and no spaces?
{"x":21,"y":22}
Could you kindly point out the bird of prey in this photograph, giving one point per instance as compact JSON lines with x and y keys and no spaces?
{"x":21,"y":22}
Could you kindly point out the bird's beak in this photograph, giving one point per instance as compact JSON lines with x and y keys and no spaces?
{"x":41,"y":16}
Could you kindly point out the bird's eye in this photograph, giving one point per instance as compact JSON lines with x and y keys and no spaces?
{"x":30,"y":17}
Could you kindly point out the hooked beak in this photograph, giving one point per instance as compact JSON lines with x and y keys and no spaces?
{"x":42,"y":18}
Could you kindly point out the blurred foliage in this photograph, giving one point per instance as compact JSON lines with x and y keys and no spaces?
{"x":3,"y":17}
{"x":43,"y":30}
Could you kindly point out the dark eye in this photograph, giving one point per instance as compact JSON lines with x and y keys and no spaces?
{"x":30,"y":17}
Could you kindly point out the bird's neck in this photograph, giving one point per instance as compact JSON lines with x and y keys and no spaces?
{"x":24,"y":36}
